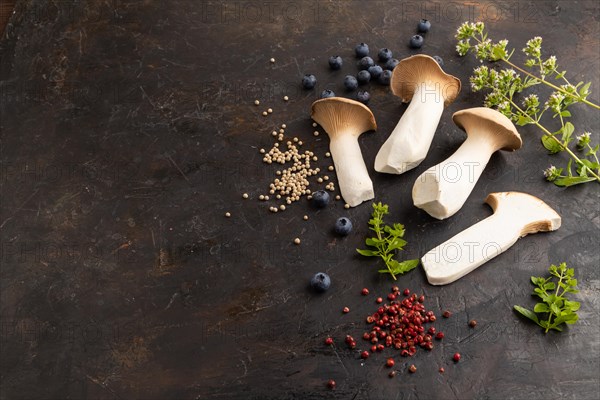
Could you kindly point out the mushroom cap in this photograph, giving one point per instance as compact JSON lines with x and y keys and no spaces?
{"x":502,"y":130}
{"x":529,"y":211}
{"x":338,"y":114}
{"x":414,"y":70}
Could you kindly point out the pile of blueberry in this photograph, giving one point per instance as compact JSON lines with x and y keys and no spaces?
{"x":368,"y":69}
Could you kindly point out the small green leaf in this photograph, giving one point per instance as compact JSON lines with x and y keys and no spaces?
{"x":405,"y":266}
{"x":527,"y":313}
{"x":374,"y":242}
{"x":575,"y":180}
{"x":523,"y":120}
{"x":567,"y":132}
{"x":541,"y":307}
{"x":572,"y":305}
{"x":550,"y":286}
{"x":368,"y":253}
{"x":536,"y":280}
{"x":565,"y":113}
{"x":551,"y":144}
{"x":584,"y":91}
{"x":397,"y":244}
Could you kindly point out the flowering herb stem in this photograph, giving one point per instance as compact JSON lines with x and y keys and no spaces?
{"x":558,"y":142}
{"x":505,"y":84}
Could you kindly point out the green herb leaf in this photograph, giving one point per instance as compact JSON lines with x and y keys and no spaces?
{"x":575,"y":180}
{"x":368,"y":253}
{"x":527,"y":313}
{"x":551,"y":144}
{"x":541,"y":307}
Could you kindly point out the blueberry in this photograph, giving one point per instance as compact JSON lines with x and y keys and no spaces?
{"x":365,"y":63}
{"x":361,"y":50}
{"x":343,"y":225}
{"x":375,"y":71}
{"x":327,"y":93}
{"x":384,"y":54}
{"x":439,"y":60}
{"x":363,"y":96}
{"x":335,"y":62}
{"x":391,"y":64}
{"x":363,"y":76}
{"x":320,"y":198}
{"x":309,"y":81}
{"x":424,"y":25}
{"x":320,"y":282}
{"x":416,"y":41}
{"x":350,"y":82}
{"x":385,"y":77}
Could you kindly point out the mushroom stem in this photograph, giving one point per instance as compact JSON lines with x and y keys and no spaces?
{"x":443,"y":189}
{"x":409,"y":142}
{"x":515,"y":215}
{"x":353,"y":178}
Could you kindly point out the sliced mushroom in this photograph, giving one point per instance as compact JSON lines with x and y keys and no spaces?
{"x":345,"y":120}
{"x":515,"y":215}
{"x":422,"y":82}
{"x":443,"y":189}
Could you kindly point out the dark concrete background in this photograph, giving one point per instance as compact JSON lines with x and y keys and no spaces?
{"x":128,"y":130}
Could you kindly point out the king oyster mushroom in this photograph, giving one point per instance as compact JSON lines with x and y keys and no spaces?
{"x":345,"y":120}
{"x":443,"y":189}
{"x":422,"y":82}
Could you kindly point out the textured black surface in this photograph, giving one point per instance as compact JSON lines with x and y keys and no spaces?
{"x":128,"y":130}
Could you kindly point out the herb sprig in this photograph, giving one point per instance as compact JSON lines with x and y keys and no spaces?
{"x":555,"y":309}
{"x":505,"y":85}
{"x":386,"y":242}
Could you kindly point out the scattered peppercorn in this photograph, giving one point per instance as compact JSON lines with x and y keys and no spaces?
{"x":346,"y":206}
{"x":412,"y":369}
{"x":331,"y":384}
{"x":456,"y":357}
{"x":272,"y":60}
{"x":265,"y":113}
{"x":421,"y":299}
{"x":345,"y":310}
{"x":256,"y":102}
{"x":472,"y":323}
{"x":364,"y":355}
{"x":442,"y":370}
{"x":228,"y":214}
{"x":270,"y":110}
{"x":379,"y":300}
{"x":305,"y":217}
{"x":285,"y":98}
{"x":297,"y":240}
{"x":364,"y":292}
{"x":446,"y":314}
{"x":439,"y":335}
{"x":389,"y":362}
{"x":406,"y":292}
{"x":329,"y":341}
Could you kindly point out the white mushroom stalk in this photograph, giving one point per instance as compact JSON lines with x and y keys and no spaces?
{"x":515,"y":215}
{"x":345,"y":120}
{"x":422,"y":82}
{"x":443,"y":189}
